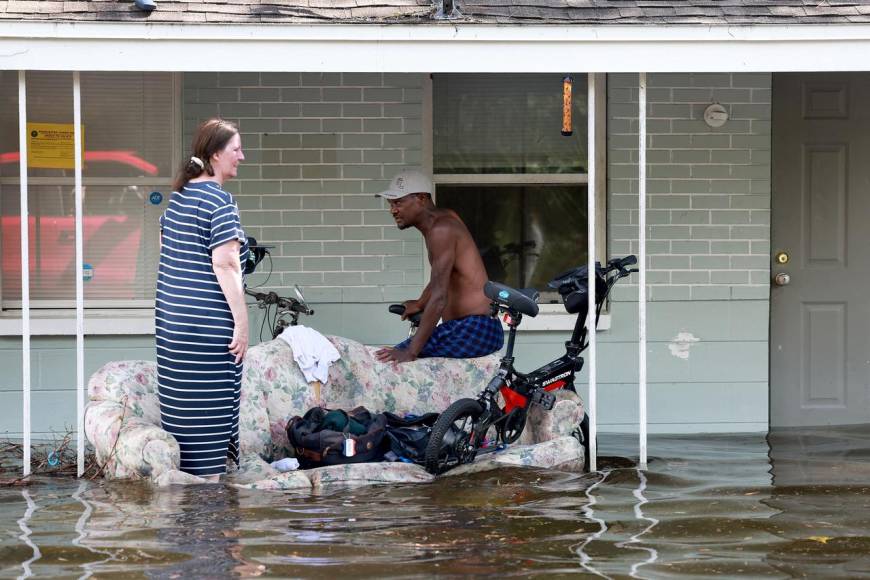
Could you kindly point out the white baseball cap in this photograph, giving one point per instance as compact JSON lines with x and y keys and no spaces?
{"x":407,"y":182}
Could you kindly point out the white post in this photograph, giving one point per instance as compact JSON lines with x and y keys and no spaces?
{"x":591,"y":317}
{"x":25,"y":271}
{"x":641,"y":260}
{"x":80,"y":296}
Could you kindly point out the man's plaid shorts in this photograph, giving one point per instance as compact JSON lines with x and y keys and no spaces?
{"x":468,"y":337}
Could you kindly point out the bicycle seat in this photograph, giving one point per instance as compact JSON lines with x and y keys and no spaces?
{"x":524,"y":300}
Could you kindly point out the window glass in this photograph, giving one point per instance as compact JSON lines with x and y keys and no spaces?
{"x":499,"y":123}
{"x":128,"y":135}
{"x":126,"y":119}
{"x":526,"y":234}
{"x":120,"y":242}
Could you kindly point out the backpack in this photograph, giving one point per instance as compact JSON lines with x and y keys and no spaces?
{"x":409,"y":435}
{"x":332,"y":437}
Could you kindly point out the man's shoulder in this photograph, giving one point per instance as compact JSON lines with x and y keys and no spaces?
{"x":449,"y":220}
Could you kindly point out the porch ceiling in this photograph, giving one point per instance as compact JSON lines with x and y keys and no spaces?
{"x":562,"y":12}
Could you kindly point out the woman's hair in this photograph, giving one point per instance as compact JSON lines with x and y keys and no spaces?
{"x":210,"y":137}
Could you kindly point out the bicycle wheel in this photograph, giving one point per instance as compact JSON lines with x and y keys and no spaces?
{"x":584,"y":433}
{"x":450,"y":443}
{"x":514,"y":424}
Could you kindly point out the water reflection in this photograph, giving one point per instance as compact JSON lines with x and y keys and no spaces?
{"x":734,"y":505}
{"x":80,"y":540}
{"x":202,"y":523}
{"x":25,"y":537}
{"x":589,"y":512}
{"x":638,"y":513}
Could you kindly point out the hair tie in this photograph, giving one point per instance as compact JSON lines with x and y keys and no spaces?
{"x":197,"y":161}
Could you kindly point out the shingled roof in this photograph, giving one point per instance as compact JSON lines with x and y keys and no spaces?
{"x":560,"y":12}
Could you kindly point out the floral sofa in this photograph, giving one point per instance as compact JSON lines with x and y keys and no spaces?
{"x":122,"y":418}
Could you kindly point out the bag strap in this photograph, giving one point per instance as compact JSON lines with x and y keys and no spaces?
{"x":312,"y":455}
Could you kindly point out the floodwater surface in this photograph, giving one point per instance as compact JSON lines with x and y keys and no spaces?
{"x":794,"y":504}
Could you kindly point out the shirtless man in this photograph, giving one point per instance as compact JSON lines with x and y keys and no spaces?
{"x":455,"y":291}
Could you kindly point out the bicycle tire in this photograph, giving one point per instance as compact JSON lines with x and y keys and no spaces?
{"x":584,"y":431}
{"x":437,"y":459}
{"x":514,"y":425}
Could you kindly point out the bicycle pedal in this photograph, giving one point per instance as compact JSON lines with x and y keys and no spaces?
{"x":544,"y":399}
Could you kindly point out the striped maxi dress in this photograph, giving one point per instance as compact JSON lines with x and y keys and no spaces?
{"x":199,"y":383}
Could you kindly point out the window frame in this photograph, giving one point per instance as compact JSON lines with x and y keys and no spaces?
{"x":551,"y":316}
{"x":57,"y":317}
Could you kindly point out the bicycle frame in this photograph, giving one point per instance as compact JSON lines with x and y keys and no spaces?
{"x":520,"y":390}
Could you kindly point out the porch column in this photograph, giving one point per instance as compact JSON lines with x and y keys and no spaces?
{"x":593,"y":311}
{"x":80,"y":312}
{"x":25,"y":272}
{"x":641,"y":268}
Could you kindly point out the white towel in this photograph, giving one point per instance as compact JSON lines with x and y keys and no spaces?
{"x":311,"y":351}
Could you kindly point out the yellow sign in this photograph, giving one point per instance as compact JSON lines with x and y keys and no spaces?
{"x":50,"y":145}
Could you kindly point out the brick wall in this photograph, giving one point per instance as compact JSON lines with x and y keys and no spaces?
{"x":708,"y":218}
{"x":317,"y":146}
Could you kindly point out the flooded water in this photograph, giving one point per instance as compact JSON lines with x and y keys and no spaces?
{"x":796,"y":504}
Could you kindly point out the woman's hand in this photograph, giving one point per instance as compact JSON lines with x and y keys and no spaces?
{"x":239,"y":344}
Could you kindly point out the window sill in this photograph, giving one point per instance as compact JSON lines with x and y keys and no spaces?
{"x":97,"y":322}
{"x":552,"y":317}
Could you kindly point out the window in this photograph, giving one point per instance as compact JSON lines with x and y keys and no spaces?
{"x":130,"y":128}
{"x":501,"y":162}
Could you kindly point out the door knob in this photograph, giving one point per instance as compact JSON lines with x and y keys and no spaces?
{"x":782,"y":279}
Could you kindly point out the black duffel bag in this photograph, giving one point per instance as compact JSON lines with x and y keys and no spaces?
{"x":408,"y":436}
{"x":333,"y":436}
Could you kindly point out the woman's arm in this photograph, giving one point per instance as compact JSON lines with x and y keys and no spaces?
{"x":228,"y":270}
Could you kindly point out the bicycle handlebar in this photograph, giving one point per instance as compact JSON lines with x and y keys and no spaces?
{"x":290,"y":304}
{"x":399,"y":309}
{"x":621,"y":265}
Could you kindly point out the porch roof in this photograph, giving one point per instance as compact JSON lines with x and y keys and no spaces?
{"x":558,"y":12}
{"x":393,"y":36}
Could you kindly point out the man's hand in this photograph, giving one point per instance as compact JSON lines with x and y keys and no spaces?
{"x":412,"y":307}
{"x":398,"y":355}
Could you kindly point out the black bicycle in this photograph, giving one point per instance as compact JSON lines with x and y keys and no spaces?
{"x":287,"y":309}
{"x":497,"y":417}
{"x":414,"y":319}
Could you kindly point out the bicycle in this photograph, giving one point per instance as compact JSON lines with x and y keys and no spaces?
{"x":414,"y":319}
{"x":287,"y":309}
{"x":474,"y":426}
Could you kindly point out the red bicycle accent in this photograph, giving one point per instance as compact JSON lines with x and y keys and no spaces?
{"x":512,"y":399}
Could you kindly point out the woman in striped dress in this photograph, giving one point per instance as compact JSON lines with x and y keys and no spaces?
{"x":201,"y":319}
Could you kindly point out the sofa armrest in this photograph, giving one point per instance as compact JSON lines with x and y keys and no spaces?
{"x":127,"y":446}
{"x":560,"y":421}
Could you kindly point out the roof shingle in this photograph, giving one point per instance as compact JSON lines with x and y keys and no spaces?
{"x":631,"y":12}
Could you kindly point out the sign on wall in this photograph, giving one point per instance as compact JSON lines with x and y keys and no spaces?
{"x":50,"y":145}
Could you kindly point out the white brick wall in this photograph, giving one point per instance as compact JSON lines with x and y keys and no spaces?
{"x":317,"y":147}
{"x":708,"y":220}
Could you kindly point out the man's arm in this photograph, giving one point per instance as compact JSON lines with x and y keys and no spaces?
{"x":442,"y":245}
{"x":414,"y":306}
